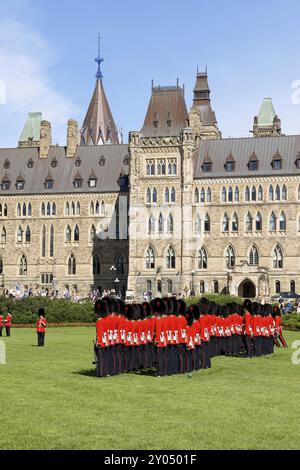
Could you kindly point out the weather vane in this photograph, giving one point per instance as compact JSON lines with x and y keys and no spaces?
{"x":99,"y":60}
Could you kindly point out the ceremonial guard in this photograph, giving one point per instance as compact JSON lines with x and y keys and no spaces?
{"x":248,"y":328}
{"x":8,"y":322}
{"x":278,"y":327}
{"x":102,"y":342}
{"x":41,"y":327}
{"x":1,"y":323}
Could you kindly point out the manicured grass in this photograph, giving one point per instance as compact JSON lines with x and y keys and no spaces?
{"x":51,"y":399}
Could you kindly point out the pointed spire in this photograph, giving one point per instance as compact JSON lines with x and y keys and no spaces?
{"x":99,"y":61}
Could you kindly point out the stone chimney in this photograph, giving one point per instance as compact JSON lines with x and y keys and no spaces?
{"x":72,"y":138}
{"x":46,"y":140}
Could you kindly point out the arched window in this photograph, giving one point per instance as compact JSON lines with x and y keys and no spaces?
{"x":197,"y":199}
{"x":173,"y":195}
{"x":1,"y":266}
{"x":121,"y":264}
{"x":160,"y":223}
{"x":97,"y":208}
{"x":29,"y":210}
{"x":284,"y":193}
{"x":260,"y":194}
{"x":198,"y":225}
{"x":202,"y":287}
{"x":150,"y":258}
{"x":174,"y":168}
{"x":170,"y":224}
{"x":216,"y":287}
{"x":202,"y":259}
{"x":278,"y":287}
{"x":170,"y":287}
{"x":48,"y":208}
{"x":273,"y":223}
{"x":19,"y":210}
{"x":20,"y":235}
{"x":92,"y":208}
{"x":151,"y":225}
{"x":43,"y":210}
{"x":5,"y":210}
{"x":271,"y":193}
{"x":150,"y":168}
{"x":67,"y":209}
{"x":93,"y":234}
{"x":208,"y":195}
{"x":247,"y":194}
{"x":3,"y":235}
{"x":43,"y":241}
{"x":24,"y":211}
{"x":68,"y":234}
{"x":23,"y":266}
{"x":148,"y":196}
{"x":202,"y":195}
{"x":224,"y":195}
{"x":167,"y":195}
{"x":225,"y":223}
{"x":293,"y":287}
{"x":237,"y":194}
{"x":103,"y":207}
{"x":76,"y":234}
{"x":207,"y":224}
{"x":230,"y":195}
{"x":27,"y":235}
{"x":171,"y":258}
{"x":254,"y":257}
{"x":253,"y":194}
{"x":258,"y":223}
{"x":154,"y":196}
{"x":235,"y":223}
{"x":51,"y":251}
{"x":282,"y":222}
{"x":278,"y":258}
{"x":53,"y":208}
{"x":78,"y":208}
{"x":249,"y":223}
{"x":230,"y":258}
{"x":96,"y":265}
{"x":277,"y":193}
{"x":73,"y":210}
{"x":72,"y":265}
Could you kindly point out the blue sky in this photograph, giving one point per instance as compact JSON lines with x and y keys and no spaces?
{"x":47,"y":52}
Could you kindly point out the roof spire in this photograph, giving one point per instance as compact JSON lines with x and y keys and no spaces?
{"x":99,"y":60}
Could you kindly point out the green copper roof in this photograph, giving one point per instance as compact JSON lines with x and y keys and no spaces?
{"x":32,"y":128}
{"x":266,"y":113}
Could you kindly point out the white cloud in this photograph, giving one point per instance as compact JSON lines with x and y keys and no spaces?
{"x":25,"y":61}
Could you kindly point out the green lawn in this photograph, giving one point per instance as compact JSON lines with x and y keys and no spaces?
{"x":52,"y":400}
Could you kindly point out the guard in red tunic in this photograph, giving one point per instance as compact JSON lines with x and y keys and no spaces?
{"x":160,"y":309}
{"x":41,"y":327}
{"x":278,"y":326}
{"x":248,"y":328}
{"x":102,"y":341}
{"x":8,"y":322}
{"x":1,"y":323}
{"x":182,"y":336}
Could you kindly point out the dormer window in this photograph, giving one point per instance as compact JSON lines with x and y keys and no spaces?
{"x":230,"y":166}
{"x":253,"y":162}
{"x":78,"y":162}
{"x":207,"y":167}
{"x":155,"y":124}
{"x":169,"y":123}
{"x":30,"y":163}
{"x":5,"y":182}
{"x":126,"y":160}
{"x":93,"y":180}
{"x":49,"y":182}
{"x":102,"y":161}
{"x":20,"y":183}
{"x":54,"y":163}
{"x":78,"y":181}
{"x":6,"y":164}
{"x":277,"y":161}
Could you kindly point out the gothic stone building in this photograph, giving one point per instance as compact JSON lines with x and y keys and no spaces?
{"x":177,"y":210}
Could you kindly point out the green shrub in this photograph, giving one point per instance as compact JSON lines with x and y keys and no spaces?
{"x":57,"y":311}
{"x":220,"y":299}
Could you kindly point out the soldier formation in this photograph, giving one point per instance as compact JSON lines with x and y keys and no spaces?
{"x":171,"y":338}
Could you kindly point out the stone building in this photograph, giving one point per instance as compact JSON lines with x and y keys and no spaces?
{"x":205,"y":214}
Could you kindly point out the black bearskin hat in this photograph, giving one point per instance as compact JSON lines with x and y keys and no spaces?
{"x":175,"y":306}
{"x":110,"y":304}
{"x":101,"y":308}
{"x":41,"y":311}
{"x":276,"y":311}
{"x":147,"y":309}
{"x":256,"y":308}
{"x":159,"y":307}
{"x":248,"y":306}
{"x":190,"y":316}
{"x":130,"y":312}
{"x":182,"y":307}
{"x":196,"y":311}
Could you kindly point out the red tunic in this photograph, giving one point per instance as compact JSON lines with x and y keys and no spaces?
{"x":41,"y":325}
{"x":102,"y":333}
{"x":182,"y":324}
{"x":278,"y":325}
{"x":248,"y":325}
{"x":1,"y":320}
{"x":161,"y":339}
{"x":8,"y":320}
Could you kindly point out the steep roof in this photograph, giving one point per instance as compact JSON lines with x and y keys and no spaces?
{"x":266,"y":113}
{"x":167,"y":113}
{"x":32,"y":128}
{"x":246,"y":149}
{"x":202,"y":100}
{"x":65,"y":171}
{"x":99,"y":127}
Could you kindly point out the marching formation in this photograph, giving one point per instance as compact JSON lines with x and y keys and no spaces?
{"x":172,"y":338}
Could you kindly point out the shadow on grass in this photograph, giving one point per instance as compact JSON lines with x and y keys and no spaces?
{"x":86,"y":373}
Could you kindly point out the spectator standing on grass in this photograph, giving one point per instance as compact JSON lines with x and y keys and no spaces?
{"x":41,"y":327}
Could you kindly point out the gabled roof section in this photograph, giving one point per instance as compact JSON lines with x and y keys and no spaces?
{"x":266,"y":113}
{"x":167,"y":113}
{"x":99,"y":127}
{"x":202,"y":100}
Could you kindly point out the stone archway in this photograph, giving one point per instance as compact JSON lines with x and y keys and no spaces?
{"x":247,"y":289}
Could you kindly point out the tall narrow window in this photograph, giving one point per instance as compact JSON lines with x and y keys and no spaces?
{"x":76,"y":234}
{"x":19,"y":210}
{"x":23,"y":266}
{"x":43,"y":241}
{"x":167,"y":195}
{"x":284,"y":193}
{"x":92,"y":208}
{"x":207,"y":224}
{"x":208,"y":195}
{"x":5,"y":210}
{"x":282,"y":223}
{"x":27,"y":235}
{"x":237,"y":194}
{"x":78,"y":208}
{"x":202,"y":199}
{"x":173,"y":195}
{"x":216,"y":287}
{"x":170,"y":287}
{"x":24,"y":212}
{"x":202,"y":287}
{"x":97,"y":208}
{"x":247,"y":194}
{"x":96,"y":265}
{"x":93,"y":234}
{"x":293,"y":287}
{"x":150,"y":258}
{"x":72,"y":265}
{"x":254,"y":257}
{"x":198,"y":225}
{"x":278,"y":287}
{"x":121,"y":265}
{"x":271,"y":193}
{"x":3,"y":235}
{"x":249,"y":223}
{"x":53,"y":208}
{"x":29,"y":210}
{"x":160,"y":224}
{"x":197,"y":198}
{"x":230,"y":258}
{"x":154,"y":196}
{"x":148,"y":196}
{"x":151,"y":225}
{"x":48,"y":209}
{"x":258,"y":223}
{"x":278,"y":258}
{"x":20,"y":235}
{"x":225,"y":223}
{"x":171,"y":258}
{"x":68,"y":234}
{"x":67,"y":209}
{"x":224,"y":195}
{"x":73,"y":208}
{"x":1,"y":265}
{"x":230,"y":195}
{"x":170,"y":224}
{"x":235,"y":223}
{"x":253,"y":194}
{"x":202,"y":259}
{"x":51,"y":241}
{"x":277,"y":193}
{"x":273,"y":224}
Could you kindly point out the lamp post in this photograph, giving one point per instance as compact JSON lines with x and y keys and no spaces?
{"x":117,"y":281}
{"x":193,"y":293}
{"x":113,"y":270}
